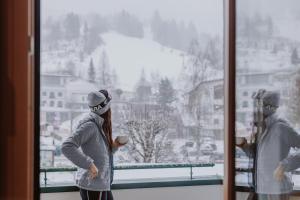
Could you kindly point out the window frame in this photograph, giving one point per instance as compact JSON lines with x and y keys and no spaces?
{"x":229,"y":106}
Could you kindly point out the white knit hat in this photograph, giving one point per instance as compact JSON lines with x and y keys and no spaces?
{"x":99,"y":101}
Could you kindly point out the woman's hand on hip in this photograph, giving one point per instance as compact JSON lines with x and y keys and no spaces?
{"x":93,"y":171}
{"x":279,"y":173}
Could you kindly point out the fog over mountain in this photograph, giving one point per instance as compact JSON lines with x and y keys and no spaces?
{"x":276,"y":8}
{"x":206,"y":14}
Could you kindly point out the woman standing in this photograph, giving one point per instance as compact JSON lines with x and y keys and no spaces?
{"x":94,"y":136}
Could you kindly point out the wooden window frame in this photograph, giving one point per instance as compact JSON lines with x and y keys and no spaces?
{"x":20,"y":78}
{"x":230,"y":98}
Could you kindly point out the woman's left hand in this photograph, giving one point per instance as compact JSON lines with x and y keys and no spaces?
{"x":116,"y":144}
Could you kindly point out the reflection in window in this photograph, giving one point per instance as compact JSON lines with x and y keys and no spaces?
{"x":268,"y":64}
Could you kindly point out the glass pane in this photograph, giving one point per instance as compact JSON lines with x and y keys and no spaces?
{"x":267,"y":98}
{"x":161,"y":61}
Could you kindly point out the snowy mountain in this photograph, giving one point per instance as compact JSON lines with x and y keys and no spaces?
{"x":127,"y":55}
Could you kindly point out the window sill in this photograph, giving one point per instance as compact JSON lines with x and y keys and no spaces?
{"x":138,"y":184}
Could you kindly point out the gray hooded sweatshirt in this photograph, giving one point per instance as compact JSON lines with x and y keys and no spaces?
{"x":89,"y":145}
{"x":273,"y":148}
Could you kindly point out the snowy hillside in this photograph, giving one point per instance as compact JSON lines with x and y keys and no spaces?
{"x":127,"y":55}
{"x":130,"y":55}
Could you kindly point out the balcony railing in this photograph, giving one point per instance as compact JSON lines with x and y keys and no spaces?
{"x":188,"y":179}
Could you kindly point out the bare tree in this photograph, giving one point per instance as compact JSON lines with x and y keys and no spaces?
{"x":148,"y":131}
{"x":146,"y":139}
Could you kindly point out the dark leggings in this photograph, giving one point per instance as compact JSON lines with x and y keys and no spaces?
{"x":95,"y":195}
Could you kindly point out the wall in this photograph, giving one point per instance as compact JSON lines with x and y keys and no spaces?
{"x":210,"y":192}
{"x":16,"y":102}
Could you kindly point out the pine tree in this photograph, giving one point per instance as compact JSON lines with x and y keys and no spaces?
{"x":166,"y":94}
{"x":212,"y":53}
{"x":294,"y":57}
{"x":119,"y":92}
{"x":91,"y":72}
{"x":129,"y":25}
{"x":192,"y":31}
{"x":156,"y":22}
{"x":72,"y":26}
{"x":54,"y":32}
{"x":91,"y":40}
{"x":143,"y":88}
{"x":197,"y":64}
{"x":70,"y":68}
{"x":85,"y":30}
{"x":114,"y":78}
{"x":270,"y":26}
{"x":104,"y":72}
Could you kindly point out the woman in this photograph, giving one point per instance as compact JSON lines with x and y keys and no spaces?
{"x":94,"y":136}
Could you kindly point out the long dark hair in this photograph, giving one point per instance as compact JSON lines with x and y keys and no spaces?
{"x":106,"y":126}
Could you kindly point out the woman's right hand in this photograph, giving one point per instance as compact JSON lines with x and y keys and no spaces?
{"x":93,"y":171}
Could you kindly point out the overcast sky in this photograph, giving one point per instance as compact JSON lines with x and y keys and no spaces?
{"x":206,"y":14}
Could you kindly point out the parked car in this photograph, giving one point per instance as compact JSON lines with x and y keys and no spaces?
{"x":206,"y":149}
{"x":210,"y":141}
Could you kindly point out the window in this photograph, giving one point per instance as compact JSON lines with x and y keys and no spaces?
{"x":52,"y":103}
{"x":160,"y":70}
{"x":218,"y":92}
{"x":266,"y":33}
{"x":245,"y":104}
{"x":59,"y":104}
{"x":44,"y":93}
{"x":216,"y":121}
{"x":52,"y":95}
